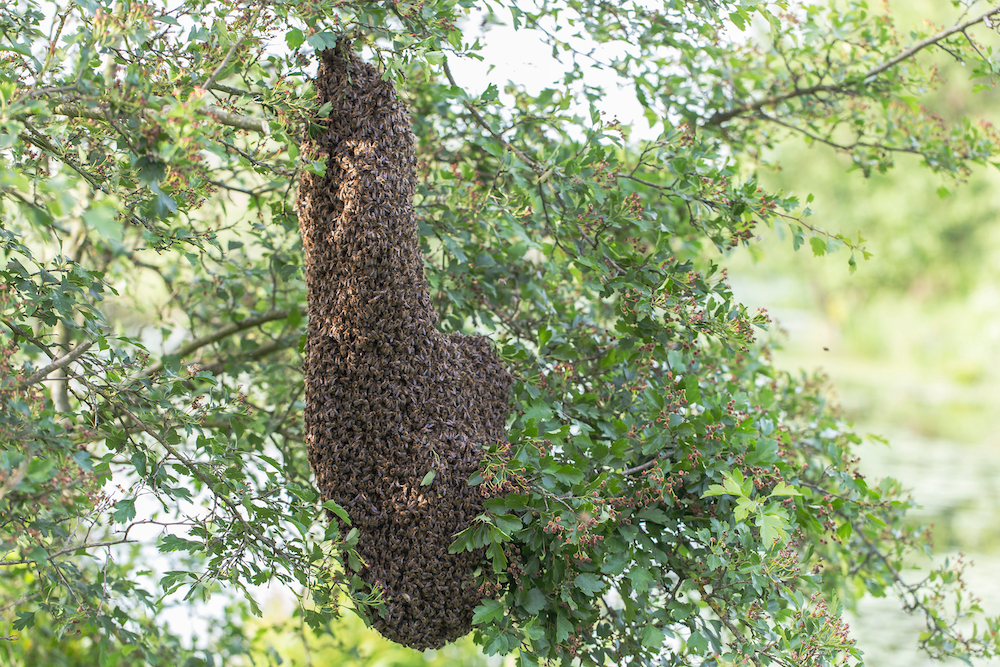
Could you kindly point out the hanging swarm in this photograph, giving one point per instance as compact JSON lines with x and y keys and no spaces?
{"x":388,"y":397}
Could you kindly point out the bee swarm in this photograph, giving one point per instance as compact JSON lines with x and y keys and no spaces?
{"x":388,"y":397}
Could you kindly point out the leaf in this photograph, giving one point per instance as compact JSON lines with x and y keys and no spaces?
{"x":487,"y":612}
{"x":653,"y":637}
{"x":772,"y":528}
{"x":174,"y":543}
{"x":25,"y":619}
{"x":124,"y":510}
{"x":338,"y":510}
{"x":101,"y":218}
{"x":294,"y":38}
{"x":507,"y":524}
{"x":563,"y":628}
{"x":490,"y":94}
{"x":534,"y":601}
{"x":641,"y":579}
{"x":428,"y":478}
{"x":569,"y":475}
{"x":589,"y":583}
{"x":818,"y":246}
{"x":782,"y":489}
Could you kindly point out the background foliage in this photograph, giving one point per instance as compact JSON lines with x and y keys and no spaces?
{"x":670,"y":496}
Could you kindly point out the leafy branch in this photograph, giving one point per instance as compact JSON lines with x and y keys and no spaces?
{"x":852,"y":82}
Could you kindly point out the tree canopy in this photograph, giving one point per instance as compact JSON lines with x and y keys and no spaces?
{"x":665,"y":496}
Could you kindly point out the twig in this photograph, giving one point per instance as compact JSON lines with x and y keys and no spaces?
{"x":221,"y":116}
{"x":31,"y":339}
{"x":61,"y":362}
{"x":528,"y":160}
{"x":227,"y":330}
{"x":232,"y":51}
{"x":639,"y":468}
{"x":722,"y":116}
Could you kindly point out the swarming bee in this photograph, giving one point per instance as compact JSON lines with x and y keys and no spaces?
{"x":388,"y":397}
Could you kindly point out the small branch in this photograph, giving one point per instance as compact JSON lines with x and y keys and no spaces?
{"x":221,"y":116}
{"x":193,"y":466}
{"x":61,"y":552}
{"x":722,"y":116}
{"x":232,"y":51}
{"x":528,"y":160}
{"x":639,"y":468}
{"x":228,"y":330}
{"x":253,"y":193}
{"x":61,"y":362}
{"x":270,"y":348}
{"x":230,"y":90}
{"x":233,"y":120}
{"x":31,"y":339}
{"x":832,"y":144}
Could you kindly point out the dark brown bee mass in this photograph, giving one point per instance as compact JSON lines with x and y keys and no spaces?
{"x":388,"y":397}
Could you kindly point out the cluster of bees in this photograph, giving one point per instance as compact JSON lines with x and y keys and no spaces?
{"x":388,"y":397}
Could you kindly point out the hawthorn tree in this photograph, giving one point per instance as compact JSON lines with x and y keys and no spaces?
{"x":665,"y":497}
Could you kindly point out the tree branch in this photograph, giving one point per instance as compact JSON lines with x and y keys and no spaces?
{"x":251,"y":21}
{"x":61,"y":362}
{"x":528,"y":160}
{"x":722,"y":116}
{"x":31,"y":339}
{"x":281,"y":344}
{"x":228,"y":330}
{"x":221,"y":116}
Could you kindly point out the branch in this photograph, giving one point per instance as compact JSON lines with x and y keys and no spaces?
{"x":233,"y":120}
{"x":207,"y":481}
{"x":832,"y":144}
{"x":61,"y":362}
{"x":228,"y":330}
{"x":639,"y":468}
{"x":61,"y":552}
{"x":281,"y":344}
{"x":528,"y":160}
{"x":31,"y":339}
{"x":723,"y":116}
{"x":221,"y":116}
{"x":232,"y":51}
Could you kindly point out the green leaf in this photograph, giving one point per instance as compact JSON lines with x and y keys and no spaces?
{"x":534,"y":601}
{"x":25,"y":619}
{"x":101,"y":217}
{"x":772,"y":528}
{"x":569,"y":475}
{"x":782,"y":489}
{"x":124,"y":510}
{"x":338,"y":510}
{"x":294,"y":38}
{"x":563,"y":628}
{"x":428,"y":478}
{"x":589,"y":583}
{"x":174,"y":543}
{"x":653,"y":637}
{"x":818,"y":246}
{"x":641,"y":579}
{"x":487,"y":612}
{"x":491,"y":93}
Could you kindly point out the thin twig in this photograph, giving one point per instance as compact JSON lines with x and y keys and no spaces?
{"x":527,"y":159}
{"x":228,"y":330}
{"x":722,"y":116}
{"x":61,"y":362}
